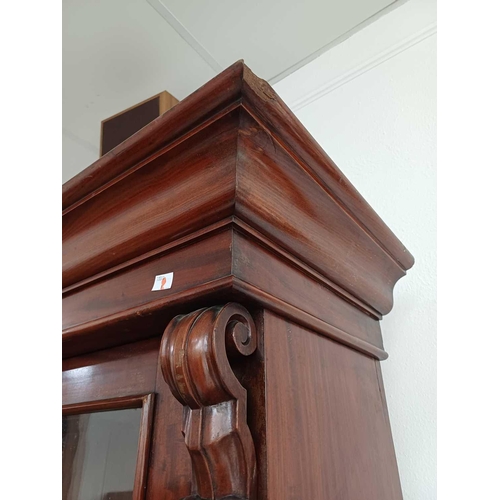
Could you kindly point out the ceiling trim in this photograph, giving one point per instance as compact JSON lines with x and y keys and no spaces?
{"x":336,"y":41}
{"x":365,"y":66}
{"x":198,"y":47}
{"x":185,"y":34}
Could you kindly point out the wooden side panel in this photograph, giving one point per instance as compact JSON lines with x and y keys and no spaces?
{"x":328,"y":432}
{"x":169,"y":473}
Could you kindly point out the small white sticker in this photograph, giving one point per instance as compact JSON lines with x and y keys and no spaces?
{"x":163,"y":282}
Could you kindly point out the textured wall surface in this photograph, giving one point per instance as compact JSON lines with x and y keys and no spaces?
{"x":378,"y":123}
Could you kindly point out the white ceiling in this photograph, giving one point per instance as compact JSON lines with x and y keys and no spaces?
{"x":119,"y":52}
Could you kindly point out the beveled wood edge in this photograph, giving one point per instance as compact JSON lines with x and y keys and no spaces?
{"x":216,"y":285}
{"x":265,"y":242}
{"x":108,"y":404}
{"x":327,"y":189}
{"x":307,"y":320}
{"x":235,"y":86}
{"x":245,"y":228}
{"x":145,"y":439}
{"x":144,"y":401}
{"x":193,"y":237}
{"x":145,"y":160}
{"x":218,"y":93}
{"x":270,"y":111}
{"x":232,"y":284}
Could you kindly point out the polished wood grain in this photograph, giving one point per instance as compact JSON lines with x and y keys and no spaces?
{"x":328,"y":432}
{"x":107,"y":404}
{"x":196,"y":367}
{"x":245,"y":292}
{"x":269,"y":268}
{"x":259,"y":98}
{"x":111,"y":373}
{"x":228,"y":191}
{"x":279,"y":198}
{"x":201,"y":262}
{"x":228,"y":258}
{"x":174,"y":126}
{"x":149,"y":207}
{"x":237,"y":85}
{"x":229,"y":163}
{"x":141,"y":470}
{"x":170,"y":471}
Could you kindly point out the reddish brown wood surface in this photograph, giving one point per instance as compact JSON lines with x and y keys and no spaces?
{"x":239,"y":156}
{"x":230,"y":193}
{"x":194,"y":265}
{"x":281,"y":199}
{"x":229,"y":259}
{"x":317,"y":412}
{"x":106,"y":404}
{"x":183,"y":190}
{"x":122,"y":377}
{"x":141,"y":470}
{"x":170,"y":473}
{"x":236,"y":85}
{"x":274,"y":114}
{"x":124,"y":371}
{"x":269,"y":268}
{"x":196,"y":367}
{"x":328,"y":432}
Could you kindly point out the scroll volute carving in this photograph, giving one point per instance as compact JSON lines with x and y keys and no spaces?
{"x":194,"y":360}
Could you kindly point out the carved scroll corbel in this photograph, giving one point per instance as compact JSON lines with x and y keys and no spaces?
{"x":194,"y":360}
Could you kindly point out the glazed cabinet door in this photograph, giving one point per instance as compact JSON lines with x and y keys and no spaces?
{"x":107,"y":416}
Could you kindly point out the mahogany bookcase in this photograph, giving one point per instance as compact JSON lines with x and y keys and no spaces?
{"x":256,"y":374}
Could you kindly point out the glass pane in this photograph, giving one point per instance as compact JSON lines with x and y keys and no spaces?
{"x":99,"y":454}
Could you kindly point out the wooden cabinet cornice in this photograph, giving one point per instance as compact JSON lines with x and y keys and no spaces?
{"x":270,"y":247}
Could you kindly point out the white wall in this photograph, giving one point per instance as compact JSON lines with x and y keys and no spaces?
{"x":371,"y":103}
{"x":77,"y":155}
